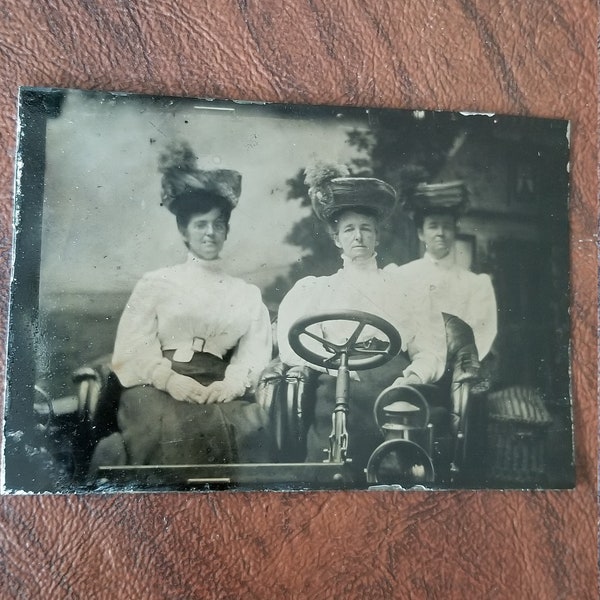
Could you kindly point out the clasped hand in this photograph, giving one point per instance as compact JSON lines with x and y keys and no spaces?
{"x":409,"y":379}
{"x":186,"y":389}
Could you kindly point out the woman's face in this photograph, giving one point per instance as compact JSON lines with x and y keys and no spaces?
{"x":356,"y":235}
{"x":205,"y":234}
{"x":438,"y":234}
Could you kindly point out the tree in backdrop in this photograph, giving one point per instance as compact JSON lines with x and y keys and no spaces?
{"x":400,"y":147}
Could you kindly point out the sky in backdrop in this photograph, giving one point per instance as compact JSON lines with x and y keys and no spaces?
{"x":103,"y":225}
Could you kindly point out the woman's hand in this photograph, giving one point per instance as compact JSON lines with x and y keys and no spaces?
{"x":222,"y":391}
{"x":409,"y":379}
{"x":186,"y":389}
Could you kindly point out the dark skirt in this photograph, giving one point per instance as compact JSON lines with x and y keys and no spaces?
{"x":156,"y":429}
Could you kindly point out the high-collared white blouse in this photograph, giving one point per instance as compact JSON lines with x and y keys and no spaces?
{"x":444,"y":286}
{"x":361,"y":285}
{"x":193,"y":306}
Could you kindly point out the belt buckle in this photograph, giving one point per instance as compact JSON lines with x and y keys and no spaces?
{"x":198,"y":347}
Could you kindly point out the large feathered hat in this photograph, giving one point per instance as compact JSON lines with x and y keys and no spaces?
{"x":182,"y":179}
{"x":331,"y":189}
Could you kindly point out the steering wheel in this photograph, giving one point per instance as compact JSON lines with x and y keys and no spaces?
{"x":360,"y":355}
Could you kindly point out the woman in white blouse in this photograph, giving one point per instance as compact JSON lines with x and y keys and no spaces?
{"x":436,"y":280}
{"x":192,"y":340}
{"x":353,"y":209}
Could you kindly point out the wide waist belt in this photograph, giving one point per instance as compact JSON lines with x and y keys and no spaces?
{"x":184,"y":351}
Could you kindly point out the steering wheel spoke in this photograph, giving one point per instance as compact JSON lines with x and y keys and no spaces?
{"x":330,"y":363}
{"x":329,"y":346}
{"x":354,"y":337}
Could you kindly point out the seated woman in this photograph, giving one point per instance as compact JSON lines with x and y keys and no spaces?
{"x":192,"y":340}
{"x":436,"y":280}
{"x":353,"y":209}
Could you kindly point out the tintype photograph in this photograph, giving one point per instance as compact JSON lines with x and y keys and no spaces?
{"x":211,"y":294}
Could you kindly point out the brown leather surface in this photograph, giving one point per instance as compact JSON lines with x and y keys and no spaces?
{"x":526,"y":57}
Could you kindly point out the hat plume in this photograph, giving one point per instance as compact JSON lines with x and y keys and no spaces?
{"x":178,"y":156}
{"x":322,"y":172}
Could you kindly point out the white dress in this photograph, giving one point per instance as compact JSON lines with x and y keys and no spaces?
{"x":441,"y":285}
{"x":210,"y":325}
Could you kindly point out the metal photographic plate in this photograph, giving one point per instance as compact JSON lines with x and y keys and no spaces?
{"x":211,"y":294}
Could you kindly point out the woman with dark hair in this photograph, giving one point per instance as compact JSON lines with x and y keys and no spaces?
{"x":192,"y":340}
{"x":437,"y":280}
{"x":353,"y":209}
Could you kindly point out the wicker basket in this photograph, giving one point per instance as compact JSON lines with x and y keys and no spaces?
{"x":518,"y":422}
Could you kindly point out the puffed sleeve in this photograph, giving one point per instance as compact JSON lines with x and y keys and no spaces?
{"x":137,"y":356}
{"x":427,"y":347}
{"x":423,"y":333}
{"x":483,"y":313}
{"x":254,"y":348}
{"x":296,"y":304}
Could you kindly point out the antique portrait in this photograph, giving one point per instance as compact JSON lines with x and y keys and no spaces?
{"x":211,"y":294}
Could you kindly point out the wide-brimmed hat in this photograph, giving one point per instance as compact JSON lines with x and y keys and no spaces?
{"x":182,"y":180}
{"x":428,"y":198}
{"x":331,"y":190}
